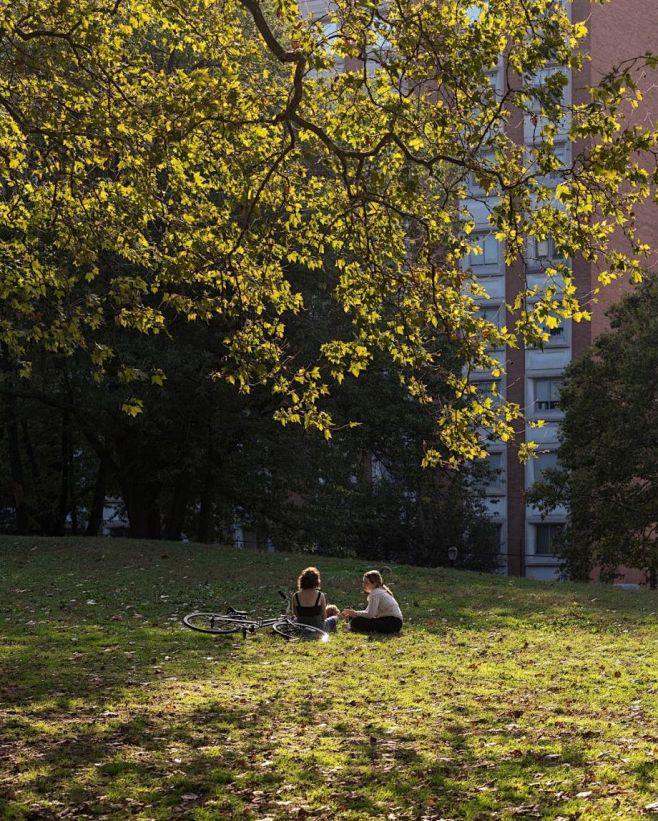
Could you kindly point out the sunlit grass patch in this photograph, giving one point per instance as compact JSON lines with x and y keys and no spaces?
{"x":500,"y":699}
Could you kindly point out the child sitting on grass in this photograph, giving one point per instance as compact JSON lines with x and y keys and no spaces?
{"x":333,"y":612}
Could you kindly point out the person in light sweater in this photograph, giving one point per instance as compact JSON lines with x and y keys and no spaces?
{"x":383,"y":614}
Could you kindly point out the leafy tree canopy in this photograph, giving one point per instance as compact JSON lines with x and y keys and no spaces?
{"x":164,"y":163}
{"x":609,"y":449}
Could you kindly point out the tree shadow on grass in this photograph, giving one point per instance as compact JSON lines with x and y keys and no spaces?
{"x":242,"y":757}
{"x":130,"y":766}
{"x":47,"y":666}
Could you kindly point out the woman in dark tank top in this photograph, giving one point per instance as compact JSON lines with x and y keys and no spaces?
{"x":309,"y":615}
{"x":309,"y":603}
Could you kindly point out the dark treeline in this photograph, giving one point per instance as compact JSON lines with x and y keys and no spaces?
{"x":200,"y":457}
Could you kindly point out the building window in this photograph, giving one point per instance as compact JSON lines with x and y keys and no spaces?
{"x":545,"y":539}
{"x":489,"y":252}
{"x":492,"y":313}
{"x":558,"y":335}
{"x":496,"y":465}
{"x":495,"y":314}
{"x":544,"y":250}
{"x":500,"y":536}
{"x":543,"y":462}
{"x":379,"y":472}
{"x":490,"y":473}
{"x":329,"y":34}
{"x":547,"y":393}
{"x":560,"y":151}
{"x":479,"y":184}
{"x":377,"y":54}
{"x":488,"y":389}
{"x":547,"y":78}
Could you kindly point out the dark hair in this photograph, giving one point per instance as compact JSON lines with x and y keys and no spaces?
{"x":375,"y":578}
{"x":309,"y":578}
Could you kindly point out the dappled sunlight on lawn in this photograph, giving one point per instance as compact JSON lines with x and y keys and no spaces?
{"x":499,"y":698}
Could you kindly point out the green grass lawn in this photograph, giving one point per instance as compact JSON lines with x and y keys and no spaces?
{"x":501,"y":698}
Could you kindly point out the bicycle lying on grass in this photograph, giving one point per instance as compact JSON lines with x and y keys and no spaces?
{"x":234,"y":621}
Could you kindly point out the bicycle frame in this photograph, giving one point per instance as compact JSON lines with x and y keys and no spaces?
{"x":237,"y":620}
{"x":249,"y":625}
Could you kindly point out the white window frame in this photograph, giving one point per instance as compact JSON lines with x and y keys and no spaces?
{"x":547,"y":412}
{"x":536,"y":527}
{"x":477,"y":263}
{"x":562,"y":151}
{"x":542,"y":254}
{"x":479,"y":382}
{"x":496,"y":313}
{"x":497,"y":483}
{"x":534,"y":463}
{"x":560,"y":337}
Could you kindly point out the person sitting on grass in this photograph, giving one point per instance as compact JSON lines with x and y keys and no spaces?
{"x":309,"y":604}
{"x":383,"y":614}
{"x":333,"y":614}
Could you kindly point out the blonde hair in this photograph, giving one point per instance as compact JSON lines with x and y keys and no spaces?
{"x":375,"y":579}
{"x":332,"y":610}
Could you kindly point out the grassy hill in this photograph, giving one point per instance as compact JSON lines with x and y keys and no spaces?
{"x":501,"y":698}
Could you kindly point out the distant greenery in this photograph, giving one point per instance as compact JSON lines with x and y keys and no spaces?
{"x":501,"y":698}
{"x":200,"y":458}
{"x":608,"y":454}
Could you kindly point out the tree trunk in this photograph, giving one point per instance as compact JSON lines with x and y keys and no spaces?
{"x":142,"y":506}
{"x":98,"y":502}
{"x":29,"y":450}
{"x":10,"y":424}
{"x":206,"y":505}
{"x":178,"y":507}
{"x":59,"y":525}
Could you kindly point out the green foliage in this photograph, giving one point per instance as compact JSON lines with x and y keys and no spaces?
{"x":165,"y":164}
{"x":366,"y":493}
{"x":608,"y":452}
{"x":199,"y":457}
{"x":501,"y":698}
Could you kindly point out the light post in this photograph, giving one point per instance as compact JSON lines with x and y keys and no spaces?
{"x":452,"y":555}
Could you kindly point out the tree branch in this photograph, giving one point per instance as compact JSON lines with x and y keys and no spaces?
{"x":253,"y":7}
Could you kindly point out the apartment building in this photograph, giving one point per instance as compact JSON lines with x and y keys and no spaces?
{"x":618,"y":31}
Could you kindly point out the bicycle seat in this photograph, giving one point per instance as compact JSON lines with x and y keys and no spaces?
{"x":233,"y":612}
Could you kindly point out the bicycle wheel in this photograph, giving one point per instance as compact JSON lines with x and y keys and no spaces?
{"x":293,"y":631}
{"x":211,"y":623}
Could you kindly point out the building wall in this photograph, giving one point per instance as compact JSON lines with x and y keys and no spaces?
{"x":617,"y":31}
